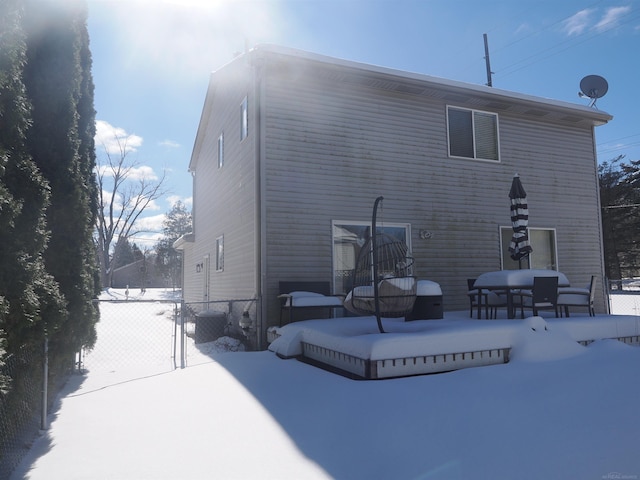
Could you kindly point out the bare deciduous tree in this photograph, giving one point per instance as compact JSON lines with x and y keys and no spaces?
{"x":125,"y":190}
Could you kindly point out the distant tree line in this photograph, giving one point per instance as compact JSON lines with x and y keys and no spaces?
{"x":48,"y":191}
{"x":166,"y":260}
{"x":169,"y":261}
{"x":620,"y":202}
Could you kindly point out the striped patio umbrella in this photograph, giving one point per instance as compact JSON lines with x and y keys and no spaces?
{"x":520,"y":246}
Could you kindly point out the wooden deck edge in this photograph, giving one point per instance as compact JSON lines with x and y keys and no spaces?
{"x":362,"y":368}
{"x":355,"y":367}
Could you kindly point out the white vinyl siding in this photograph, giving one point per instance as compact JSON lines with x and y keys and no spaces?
{"x":472,"y":134}
{"x":326,"y":140}
{"x":332,"y":151}
{"x":225,"y":199}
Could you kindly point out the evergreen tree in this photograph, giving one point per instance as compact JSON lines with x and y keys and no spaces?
{"x":168,"y":260}
{"x":620,"y":201}
{"x":60,"y":87}
{"x":29,"y":296}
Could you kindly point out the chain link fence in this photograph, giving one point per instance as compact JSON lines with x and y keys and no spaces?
{"x":214,"y":326}
{"x":21,"y":400}
{"x":135,"y":338}
{"x":624,"y":296}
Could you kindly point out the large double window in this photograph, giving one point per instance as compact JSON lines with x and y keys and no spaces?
{"x":473,"y":134}
{"x":543,"y":243}
{"x":348,"y":240}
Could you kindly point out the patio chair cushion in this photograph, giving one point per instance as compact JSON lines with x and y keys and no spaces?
{"x":311,"y":299}
{"x":389,"y":290}
{"x":574,"y":296}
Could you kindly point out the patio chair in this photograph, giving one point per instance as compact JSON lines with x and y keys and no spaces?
{"x":307,"y":295}
{"x":476,"y":299}
{"x":577,"y":297}
{"x":495,"y":300}
{"x":489,"y":299}
{"x":543,"y":296}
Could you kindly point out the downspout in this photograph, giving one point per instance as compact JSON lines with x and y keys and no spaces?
{"x":603,"y":283}
{"x":260,"y":207}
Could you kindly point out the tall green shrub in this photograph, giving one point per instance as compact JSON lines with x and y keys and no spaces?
{"x":29,"y":296}
{"x":59,"y":85}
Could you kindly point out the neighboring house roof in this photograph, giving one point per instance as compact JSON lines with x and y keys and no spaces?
{"x":479,"y":96}
{"x":179,"y":244}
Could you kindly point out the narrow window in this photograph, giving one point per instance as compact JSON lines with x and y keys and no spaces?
{"x":221,"y":150}
{"x":220,"y":253}
{"x":472,"y":134}
{"x":244,"y":120}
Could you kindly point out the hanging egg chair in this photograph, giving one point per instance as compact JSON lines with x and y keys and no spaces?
{"x":383,"y":281}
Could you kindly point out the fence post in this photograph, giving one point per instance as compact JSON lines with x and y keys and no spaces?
{"x":182,"y":310}
{"x":45,"y":383}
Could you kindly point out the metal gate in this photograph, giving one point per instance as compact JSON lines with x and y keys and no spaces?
{"x":135,"y":338}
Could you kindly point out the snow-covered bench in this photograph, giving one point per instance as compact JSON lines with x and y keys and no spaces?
{"x":295,"y":295}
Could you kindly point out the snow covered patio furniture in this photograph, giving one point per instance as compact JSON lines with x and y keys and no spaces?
{"x":577,"y":297}
{"x":511,"y":281}
{"x":490,"y":300}
{"x":543,"y":295}
{"x":428,"y":304}
{"x":356,"y":349}
{"x":307,"y":295}
{"x":383,"y":282}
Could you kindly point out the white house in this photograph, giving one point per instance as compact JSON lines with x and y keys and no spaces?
{"x":293,"y":148}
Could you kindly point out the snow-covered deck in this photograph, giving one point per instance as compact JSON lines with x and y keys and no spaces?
{"x":354,"y":346}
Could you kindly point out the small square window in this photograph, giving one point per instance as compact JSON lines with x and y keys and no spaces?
{"x":472,"y":134}
{"x":221,"y":150}
{"x":244,"y":119}
{"x":220,"y":253}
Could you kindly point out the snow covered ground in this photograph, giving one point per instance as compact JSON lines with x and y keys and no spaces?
{"x":557,"y":410}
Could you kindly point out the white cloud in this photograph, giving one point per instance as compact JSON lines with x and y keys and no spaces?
{"x":578,"y":23}
{"x":582,"y":21}
{"x":151,"y":224}
{"x":611,"y":18}
{"x":143,"y":172}
{"x":173,"y":199}
{"x":523,"y":28}
{"x":169,"y":143}
{"x":115,"y":140}
{"x":135,"y":173}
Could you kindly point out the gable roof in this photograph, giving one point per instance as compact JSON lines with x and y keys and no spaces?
{"x":451,"y":91}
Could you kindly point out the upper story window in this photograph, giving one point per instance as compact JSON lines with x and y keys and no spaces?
{"x":244,"y":119}
{"x":221,"y":150}
{"x":473,"y":134}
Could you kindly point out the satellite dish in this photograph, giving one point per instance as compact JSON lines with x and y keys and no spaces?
{"x":593,"y":87}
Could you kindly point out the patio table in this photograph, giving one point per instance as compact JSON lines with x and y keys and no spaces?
{"x":511,"y":281}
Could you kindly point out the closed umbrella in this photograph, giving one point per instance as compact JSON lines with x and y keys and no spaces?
{"x":520,"y":246}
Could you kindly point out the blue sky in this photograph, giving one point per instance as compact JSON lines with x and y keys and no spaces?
{"x":152,"y":58}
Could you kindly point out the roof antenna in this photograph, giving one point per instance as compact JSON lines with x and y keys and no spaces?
{"x":487,"y":61}
{"x":593,"y":87}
